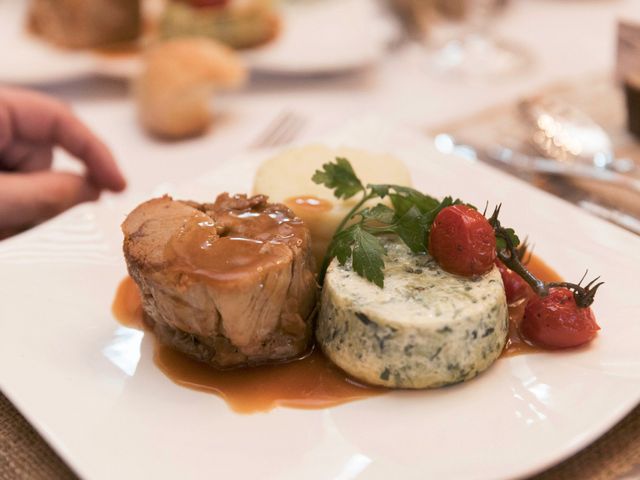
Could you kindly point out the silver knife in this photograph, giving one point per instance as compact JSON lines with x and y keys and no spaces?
{"x":538,"y":164}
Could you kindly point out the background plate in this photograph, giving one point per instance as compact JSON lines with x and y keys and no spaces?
{"x":91,"y":388}
{"x":27,"y":60}
{"x":296,"y":51}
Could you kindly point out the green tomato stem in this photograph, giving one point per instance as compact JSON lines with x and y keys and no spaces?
{"x":512,"y":262}
{"x":584,"y":296}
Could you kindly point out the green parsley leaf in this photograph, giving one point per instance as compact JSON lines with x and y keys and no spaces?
{"x":380,"y":213}
{"x":368,"y":255}
{"x":380,"y":190}
{"x":341,"y":245}
{"x":413,"y":228}
{"x":424,"y":203}
{"x":339,"y":177}
{"x":401,"y":204}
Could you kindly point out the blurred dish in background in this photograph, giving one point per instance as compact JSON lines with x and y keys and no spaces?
{"x":84,"y":24}
{"x":239,"y":24}
{"x":323,"y":37}
{"x":314,"y":37}
{"x":459,"y":37}
{"x":28,"y":60}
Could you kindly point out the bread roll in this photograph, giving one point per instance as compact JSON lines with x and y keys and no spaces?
{"x":179,"y":76}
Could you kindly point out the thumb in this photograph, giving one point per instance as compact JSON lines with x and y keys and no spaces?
{"x":30,"y":198}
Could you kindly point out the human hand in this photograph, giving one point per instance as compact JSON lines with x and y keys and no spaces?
{"x":31,"y":125}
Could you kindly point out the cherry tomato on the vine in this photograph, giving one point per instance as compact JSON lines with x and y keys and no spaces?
{"x":462,"y":241}
{"x":514,"y":285}
{"x":555,"y":321}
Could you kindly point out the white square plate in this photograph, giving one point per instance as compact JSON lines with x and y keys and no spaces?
{"x":91,"y":388}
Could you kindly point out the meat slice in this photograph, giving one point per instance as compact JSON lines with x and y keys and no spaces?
{"x":86,"y":24}
{"x":229,"y":283}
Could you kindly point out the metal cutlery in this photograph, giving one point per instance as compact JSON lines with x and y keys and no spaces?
{"x":565,"y":133}
{"x":283,"y":129}
{"x":614,"y":216}
{"x":536,"y":164}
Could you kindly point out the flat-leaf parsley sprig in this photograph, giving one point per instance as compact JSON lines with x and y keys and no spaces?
{"x":410,"y":217}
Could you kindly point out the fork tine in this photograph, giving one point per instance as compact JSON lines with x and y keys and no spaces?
{"x":281,"y":130}
{"x":300,"y":124}
{"x":289,"y":130}
{"x":272,"y":128}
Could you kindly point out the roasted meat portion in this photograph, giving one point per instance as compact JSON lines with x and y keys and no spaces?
{"x":86,"y":24}
{"x":230,"y":283}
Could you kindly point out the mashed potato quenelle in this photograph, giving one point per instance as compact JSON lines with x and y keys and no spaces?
{"x":286,"y":178}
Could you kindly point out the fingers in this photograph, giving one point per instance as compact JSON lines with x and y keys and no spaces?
{"x":6,"y":128}
{"x":26,"y":157}
{"x":38,"y":119}
{"x":30,"y":198}
{"x":72,"y":135}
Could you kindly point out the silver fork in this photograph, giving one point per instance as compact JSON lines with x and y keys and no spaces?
{"x":283,"y":129}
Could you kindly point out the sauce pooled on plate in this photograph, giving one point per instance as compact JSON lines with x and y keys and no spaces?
{"x":312,"y":382}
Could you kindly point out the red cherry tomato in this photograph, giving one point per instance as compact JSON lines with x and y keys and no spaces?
{"x":462,"y":241}
{"x":555,"y":321}
{"x":514,"y":285}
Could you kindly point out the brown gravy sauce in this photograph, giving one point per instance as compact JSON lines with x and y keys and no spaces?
{"x":312,"y":382}
{"x":127,"y":304}
{"x":235,"y":243}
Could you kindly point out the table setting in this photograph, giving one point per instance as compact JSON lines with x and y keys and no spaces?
{"x":319,"y":319}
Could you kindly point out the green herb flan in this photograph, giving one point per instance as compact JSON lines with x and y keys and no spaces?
{"x":426,"y":328}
